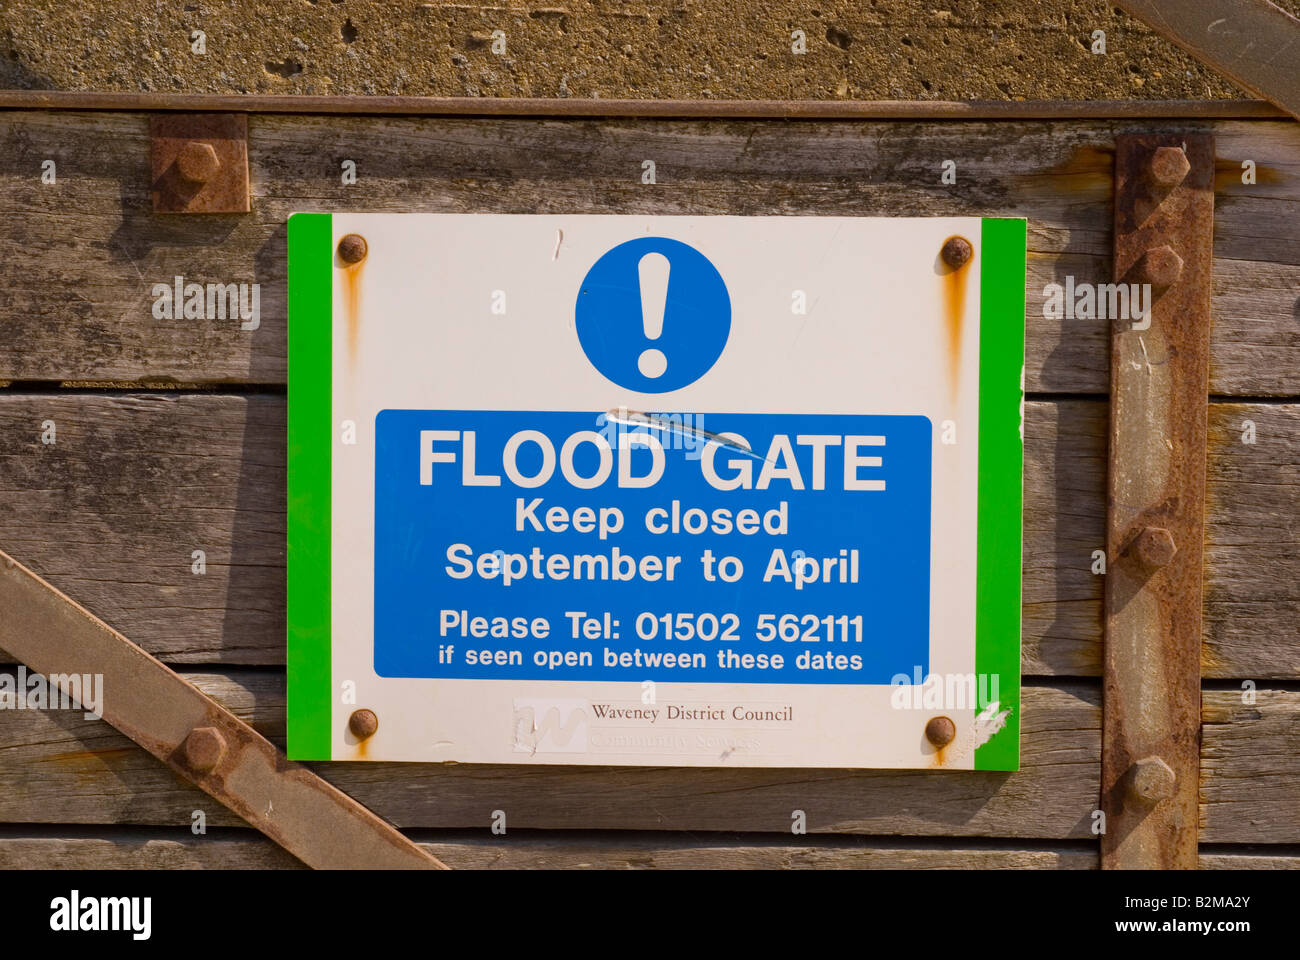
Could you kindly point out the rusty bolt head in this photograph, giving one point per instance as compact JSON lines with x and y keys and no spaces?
{"x":1154,"y":547}
{"x":940,"y":731}
{"x":353,"y":248}
{"x":1152,"y":780}
{"x":1169,"y":166}
{"x":363,"y":724}
{"x":197,"y":162}
{"x":1160,"y":267}
{"x":203,"y":749}
{"x":956,"y":252}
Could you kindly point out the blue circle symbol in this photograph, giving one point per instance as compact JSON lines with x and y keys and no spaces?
{"x":653,"y":315}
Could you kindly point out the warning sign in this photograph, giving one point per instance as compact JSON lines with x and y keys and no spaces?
{"x":696,"y":491}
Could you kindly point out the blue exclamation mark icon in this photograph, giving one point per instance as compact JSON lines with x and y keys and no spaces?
{"x":653,"y":315}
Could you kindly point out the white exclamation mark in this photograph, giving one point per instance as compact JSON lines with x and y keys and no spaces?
{"x":653,"y":271}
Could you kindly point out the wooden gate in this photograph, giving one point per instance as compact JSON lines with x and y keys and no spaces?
{"x":142,"y":466}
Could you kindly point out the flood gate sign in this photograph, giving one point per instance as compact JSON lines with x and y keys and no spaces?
{"x":655,"y":490}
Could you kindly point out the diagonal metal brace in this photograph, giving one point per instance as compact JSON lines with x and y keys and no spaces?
{"x":195,"y":736}
{"x":1254,"y":42}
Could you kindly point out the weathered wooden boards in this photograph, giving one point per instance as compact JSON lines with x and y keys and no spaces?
{"x":143,"y":850}
{"x":83,"y":253}
{"x":61,"y":768}
{"x":1250,"y":764}
{"x":206,"y":473}
{"x":1252,"y":524}
{"x":186,"y":730}
{"x":135,"y":483}
{"x":561,"y":852}
{"x":113,"y":511}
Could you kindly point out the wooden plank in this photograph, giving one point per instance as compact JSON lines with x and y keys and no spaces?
{"x":82,"y":255}
{"x":144,"y":852}
{"x":139,"y":850}
{"x":112,"y":512}
{"x":1254,"y":223}
{"x":702,"y":853}
{"x":1250,"y":766}
{"x":115,"y":521}
{"x":1248,"y":861}
{"x":1064,"y":523}
{"x":1252,"y":542}
{"x":61,"y":768}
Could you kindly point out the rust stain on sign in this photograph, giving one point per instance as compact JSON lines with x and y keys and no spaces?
{"x":352,"y":303}
{"x":954,"y":307}
{"x":954,"y":266}
{"x":352,"y":252}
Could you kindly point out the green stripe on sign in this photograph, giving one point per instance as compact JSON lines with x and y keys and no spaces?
{"x":1001,"y":467}
{"x":311,"y":321}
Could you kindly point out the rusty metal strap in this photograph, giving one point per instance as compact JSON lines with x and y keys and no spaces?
{"x":405,"y":105}
{"x":199,"y":739}
{"x":1254,"y":42}
{"x":1164,"y":226}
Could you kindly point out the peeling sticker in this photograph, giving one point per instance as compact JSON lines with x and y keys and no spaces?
{"x":562,"y":727}
{"x":675,"y":426}
{"x":982,"y":729}
{"x":988,"y":722}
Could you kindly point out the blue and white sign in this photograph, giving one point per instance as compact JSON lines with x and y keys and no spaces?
{"x":788,"y":549}
{"x":693,"y":491}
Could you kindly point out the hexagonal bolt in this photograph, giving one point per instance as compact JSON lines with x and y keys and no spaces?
{"x":363,"y":724}
{"x":940,"y":731}
{"x":1169,"y":166}
{"x":197,"y":162}
{"x":203,"y":749}
{"x":1152,"y":780}
{"x":1154,"y":547}
{"x":353,"y":248}
{"x":956,"y":252}
{"x":1160,"y":267}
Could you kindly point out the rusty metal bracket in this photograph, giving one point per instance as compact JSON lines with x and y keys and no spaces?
{"x":1254,"y":42}
{"x":1164,"y":224}
{"x":602,"y":108}
{"x":196,"y":737}
{"x":199,"y":162}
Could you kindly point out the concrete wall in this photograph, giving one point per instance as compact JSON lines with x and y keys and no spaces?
{"x":856,"y":49}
